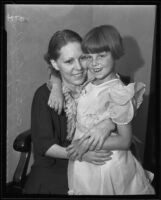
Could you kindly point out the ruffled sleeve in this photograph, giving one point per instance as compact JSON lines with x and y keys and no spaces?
{"x":124,"y":100}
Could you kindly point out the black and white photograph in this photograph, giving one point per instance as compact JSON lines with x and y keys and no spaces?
{"x":82,"y":100}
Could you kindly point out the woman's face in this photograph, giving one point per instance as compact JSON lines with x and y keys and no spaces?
{"x":69,"y":65}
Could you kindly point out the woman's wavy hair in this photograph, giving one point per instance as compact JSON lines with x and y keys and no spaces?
{"x":58,"y":40}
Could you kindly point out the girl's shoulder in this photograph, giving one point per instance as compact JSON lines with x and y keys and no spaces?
{"x":111,"y":83}
{"x":124,"y":100}
{"x":121,"y":93}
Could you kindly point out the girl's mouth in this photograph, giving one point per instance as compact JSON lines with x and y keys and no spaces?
{"x":97,"y":69}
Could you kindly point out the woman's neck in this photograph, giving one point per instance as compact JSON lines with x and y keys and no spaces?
{"x":74,"y":89}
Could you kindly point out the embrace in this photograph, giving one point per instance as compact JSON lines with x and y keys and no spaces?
{"x":81,"y":120}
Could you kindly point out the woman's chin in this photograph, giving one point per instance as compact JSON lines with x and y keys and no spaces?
{"x":79,"y":81}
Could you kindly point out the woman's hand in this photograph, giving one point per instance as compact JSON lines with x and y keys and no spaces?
{"x":97,"y":135}
{"x":56,"y":99}
{"x":97,"y":157}
{"x":75,"y":151}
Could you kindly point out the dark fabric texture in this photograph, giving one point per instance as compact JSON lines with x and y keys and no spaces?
{"x":48,"y":175}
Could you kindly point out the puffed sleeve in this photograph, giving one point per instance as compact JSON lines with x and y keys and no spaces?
{"x":42,"y":127}
{"x":124,"y":100}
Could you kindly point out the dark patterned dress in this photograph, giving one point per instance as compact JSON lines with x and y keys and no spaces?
{"x":48,"y":175}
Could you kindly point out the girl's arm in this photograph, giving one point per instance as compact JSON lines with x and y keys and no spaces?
{"x":56,"y":99}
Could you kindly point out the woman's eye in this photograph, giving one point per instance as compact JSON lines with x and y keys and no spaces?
{"x":84,"y":58}
{"x":69,"y":61}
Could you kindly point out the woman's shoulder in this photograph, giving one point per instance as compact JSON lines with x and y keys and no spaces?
{"x":40,"y":99}
{"x":42,"y":92}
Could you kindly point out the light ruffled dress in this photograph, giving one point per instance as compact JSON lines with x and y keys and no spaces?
{"x":123,"y":174}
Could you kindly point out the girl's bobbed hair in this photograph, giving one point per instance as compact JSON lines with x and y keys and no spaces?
{"x":57,"y":41}
{"x":103,"y":38}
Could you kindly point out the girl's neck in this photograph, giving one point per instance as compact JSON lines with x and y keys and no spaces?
{"x":111,"y":76}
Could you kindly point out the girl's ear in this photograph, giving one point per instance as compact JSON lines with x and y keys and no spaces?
{"x":54,"y":64}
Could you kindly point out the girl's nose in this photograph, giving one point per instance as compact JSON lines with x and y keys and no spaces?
{"x":94,"y":61}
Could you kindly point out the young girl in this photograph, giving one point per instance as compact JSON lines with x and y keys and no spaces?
{"x":106,"y":98}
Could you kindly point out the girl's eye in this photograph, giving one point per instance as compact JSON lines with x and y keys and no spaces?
{"x":89,"y":58}
{"x":102,"y":55}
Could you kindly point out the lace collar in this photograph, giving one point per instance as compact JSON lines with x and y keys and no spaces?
{"x":70,"y":107}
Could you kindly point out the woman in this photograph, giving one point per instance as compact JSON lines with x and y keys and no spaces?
{"x":48,"y":129}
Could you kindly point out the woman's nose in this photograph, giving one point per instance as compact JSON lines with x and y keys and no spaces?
{"x":78,"y":65}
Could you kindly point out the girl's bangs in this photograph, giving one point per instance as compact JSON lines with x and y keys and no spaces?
{"x":93,"y":46}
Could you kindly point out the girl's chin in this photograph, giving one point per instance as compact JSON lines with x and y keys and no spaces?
{"x":98,"y":76}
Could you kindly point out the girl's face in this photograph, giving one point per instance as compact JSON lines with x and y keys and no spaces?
{"x":69,"y":65}
{"x":101,"y":65}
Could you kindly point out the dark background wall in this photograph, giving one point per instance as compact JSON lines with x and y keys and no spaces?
{"x":29,"y":28}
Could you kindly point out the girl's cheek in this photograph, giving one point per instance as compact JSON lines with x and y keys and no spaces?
{"x":85,"y":65}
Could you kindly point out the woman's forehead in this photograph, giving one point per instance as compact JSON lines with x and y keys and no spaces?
{"x":71,"y":49}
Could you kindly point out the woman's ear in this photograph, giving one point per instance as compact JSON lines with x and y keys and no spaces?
{"x":54,"y":64}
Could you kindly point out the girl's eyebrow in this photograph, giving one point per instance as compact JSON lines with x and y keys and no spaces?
{"x":103,"y":52}
{"x":84,"y":56}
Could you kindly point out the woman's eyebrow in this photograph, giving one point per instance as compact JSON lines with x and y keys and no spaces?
{"x":68,"y":59}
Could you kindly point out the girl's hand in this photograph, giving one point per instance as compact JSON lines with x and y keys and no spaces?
{"x":97,"y":157}
{"x":56,"y":99}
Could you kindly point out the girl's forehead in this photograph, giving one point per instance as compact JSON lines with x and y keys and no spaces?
{"x":97,"y":53}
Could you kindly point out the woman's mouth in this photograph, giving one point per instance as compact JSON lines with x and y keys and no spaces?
{"x":80,"y":74}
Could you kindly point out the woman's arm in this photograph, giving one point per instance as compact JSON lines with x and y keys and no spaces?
{"x":57,"y":151}
{"x":44,"y":137}
{"x":98,"y":134}
{"x":121,"y":141}
{"x":97,"y":158}
{"x":92,"y":140}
